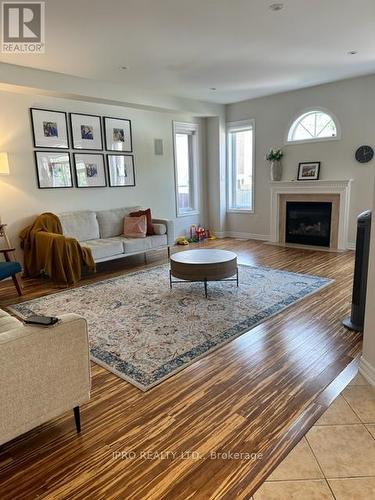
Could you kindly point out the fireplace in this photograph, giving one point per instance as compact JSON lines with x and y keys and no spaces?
{"x":308,"y":223}
{"x":337,"y":193}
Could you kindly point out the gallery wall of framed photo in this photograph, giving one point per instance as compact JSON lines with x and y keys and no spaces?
{"x":86,"y":151}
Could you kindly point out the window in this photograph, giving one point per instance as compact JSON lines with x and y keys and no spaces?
{"x":313,"y":125}
{"x":186,"y":167}
{"x":241,"y":166}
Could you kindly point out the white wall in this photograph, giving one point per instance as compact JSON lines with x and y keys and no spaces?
{"x":353,"y":103}
{"x":20,"y":198}
{"x":367,"y":364}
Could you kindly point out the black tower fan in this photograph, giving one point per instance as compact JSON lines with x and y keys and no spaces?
{"x":357,"y":318}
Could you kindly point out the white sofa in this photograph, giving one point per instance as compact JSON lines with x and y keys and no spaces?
{"x":102,"y":232}
{"x":44,"y":372}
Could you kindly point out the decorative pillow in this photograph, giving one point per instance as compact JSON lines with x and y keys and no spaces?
{"x":160,"y":228}
{"x":135,"y":227}
{"x":147,"y":213}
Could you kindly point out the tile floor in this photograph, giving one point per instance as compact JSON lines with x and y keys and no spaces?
{"x":336,"y":458}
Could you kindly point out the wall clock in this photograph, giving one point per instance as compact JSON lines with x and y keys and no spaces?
{"x":364,"y":154}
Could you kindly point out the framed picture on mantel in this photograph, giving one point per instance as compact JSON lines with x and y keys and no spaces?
{"x":308,"y":171}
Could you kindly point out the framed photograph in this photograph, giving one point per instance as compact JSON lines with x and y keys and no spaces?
{"x":53,"y":169}
{"x":120,"y":170}
{"x":118,"y":134}
{"x":50,"y":128}
{"x":86,"y":131}
{"x":308,"y":171}
{"x":89,"y":170}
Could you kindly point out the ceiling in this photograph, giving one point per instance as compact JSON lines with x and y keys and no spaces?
{"x":184,"y":47}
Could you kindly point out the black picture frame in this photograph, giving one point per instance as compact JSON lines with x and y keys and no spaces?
{"x":71,"y":185}
{"x":313,"y":164}
{"x":35,"y":142}
{"x":75,"y":154}
{"x":105,"y":128}
{"x":74,"y":142}
{"x":110,"y":180}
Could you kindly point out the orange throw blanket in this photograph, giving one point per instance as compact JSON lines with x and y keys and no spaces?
{"x":47,"y":250}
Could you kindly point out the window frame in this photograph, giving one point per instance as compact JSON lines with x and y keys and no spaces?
{"x":305,"y":111}
{"x":191,"y":129}
{"x":232,"y":126}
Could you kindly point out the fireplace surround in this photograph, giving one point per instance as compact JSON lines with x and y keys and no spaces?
{"x":322,"y":191}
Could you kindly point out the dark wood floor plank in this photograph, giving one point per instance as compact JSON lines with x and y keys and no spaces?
{"x":258,"y":394}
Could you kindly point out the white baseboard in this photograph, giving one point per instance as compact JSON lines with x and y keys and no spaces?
{"x":367,"y":370}
{"x":243,"y":236}
{"x":262,"y":237}
{"x":247,"y":236}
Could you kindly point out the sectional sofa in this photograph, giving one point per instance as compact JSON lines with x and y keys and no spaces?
{"x":102,"y":232}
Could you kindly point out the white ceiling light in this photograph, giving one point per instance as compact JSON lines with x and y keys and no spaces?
{"x":353,"y":52}
{"x":213,"y":89}
{"x":124,"y":67}
{"x":276,"y":6}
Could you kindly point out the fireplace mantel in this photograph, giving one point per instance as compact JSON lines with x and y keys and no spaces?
{"x":339,"y":187}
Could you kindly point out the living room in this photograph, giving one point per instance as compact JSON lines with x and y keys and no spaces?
{"x":185,"y":225}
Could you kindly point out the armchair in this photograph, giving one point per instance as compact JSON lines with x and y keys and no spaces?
{"x":11,"y":268}
{"x":44,"y":373}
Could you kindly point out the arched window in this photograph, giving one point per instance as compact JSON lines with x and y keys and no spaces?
{"x":313,"y":125}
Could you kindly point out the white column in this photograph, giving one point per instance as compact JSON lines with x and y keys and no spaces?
{"x":216,"y":166}
{"x":367,"y":364}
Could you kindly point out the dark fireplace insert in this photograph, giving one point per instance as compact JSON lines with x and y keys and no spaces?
{"x":308,"y":223}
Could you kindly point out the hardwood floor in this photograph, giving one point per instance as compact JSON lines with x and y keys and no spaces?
{"x":256,"y":395}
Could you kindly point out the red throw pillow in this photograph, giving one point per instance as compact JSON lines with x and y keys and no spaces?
{"x":147,"y":213}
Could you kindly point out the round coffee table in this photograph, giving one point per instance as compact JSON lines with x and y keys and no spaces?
{"x":203,"y":265}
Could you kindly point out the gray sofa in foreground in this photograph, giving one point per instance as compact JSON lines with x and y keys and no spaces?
{"x":102,"y":232}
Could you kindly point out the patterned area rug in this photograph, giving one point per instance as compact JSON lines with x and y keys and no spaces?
{"x":144,"y":332}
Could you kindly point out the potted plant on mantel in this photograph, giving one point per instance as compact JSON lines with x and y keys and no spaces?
{"x":274,"y":157}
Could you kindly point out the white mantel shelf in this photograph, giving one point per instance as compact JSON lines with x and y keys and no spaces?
{"x":311,"y":185}
{"x":340,"y":187}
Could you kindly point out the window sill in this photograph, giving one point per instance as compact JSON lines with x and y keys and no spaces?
{"x":309,"y":141}
{"x":188,"y":214}
{"x":239,"y":211}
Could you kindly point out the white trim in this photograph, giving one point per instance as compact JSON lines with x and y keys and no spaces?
{"x":219,"y":234}
{"x":243,"y":236}
{"x":241,"y":124}
{"x":247,"y":236}
{"x":189,"y":213}
{"x":367,"y":370}
{"x":341,"y":187}
{"x":261,"y":237}
{"x":237,"y":126}
{"x":309,"y":141}
{"x":239,"y":211}
{"x":185,"y":127}
{"x":337,"y":137}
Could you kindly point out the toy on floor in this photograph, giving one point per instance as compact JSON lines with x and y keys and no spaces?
{"x":199,"y":233}
{"x":181,"y":240}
